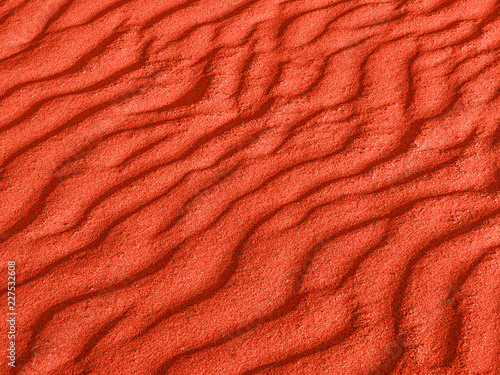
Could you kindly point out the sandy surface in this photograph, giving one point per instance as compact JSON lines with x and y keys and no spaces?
{"x":251,"y":187}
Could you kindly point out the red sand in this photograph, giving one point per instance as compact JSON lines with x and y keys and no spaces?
{"x":251,"y":187}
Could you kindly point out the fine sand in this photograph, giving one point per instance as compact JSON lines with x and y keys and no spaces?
{"x":251,"y":187}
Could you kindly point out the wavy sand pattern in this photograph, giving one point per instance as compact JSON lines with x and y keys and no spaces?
{"x":252,"y":187}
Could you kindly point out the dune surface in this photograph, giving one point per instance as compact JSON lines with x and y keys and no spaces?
{"x":251,"y":186}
